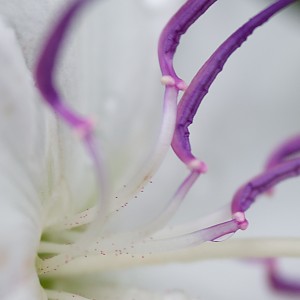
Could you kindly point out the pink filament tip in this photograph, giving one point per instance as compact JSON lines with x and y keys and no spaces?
{"x":198,"y":166}
{"x":241,"y":220}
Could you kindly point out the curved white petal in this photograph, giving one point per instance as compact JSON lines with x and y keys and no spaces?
{"x":20,"y":122}
{"x":20,"y":164}
{"x":20,"y":230}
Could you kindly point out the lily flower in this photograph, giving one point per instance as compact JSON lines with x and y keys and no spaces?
{"x":64,"y":192}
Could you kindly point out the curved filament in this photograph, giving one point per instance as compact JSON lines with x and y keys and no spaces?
{"x":284,"y":151}
{"x":168,"y":43}
{"x":191,"y":239}
{"x":247,"y":194}
{"x":45,"y":75}
{"x":200,"y":84}
{"x":170,"y":37}
{"x":279,"y":282}
{"x":47,"y":64}
{"x":161,"y":148}
{"x":287,"y":150}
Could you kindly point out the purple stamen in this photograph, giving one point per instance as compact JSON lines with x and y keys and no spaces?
{"x":280,"y":167}
{"x":170,"y":37}
{"x":285,"y":151}
{"x":168,"y":43}
{"x":278,"y":282}
{"x":46,"y":68}
{"x":246,"y":195}
{"x":200,"y":84}
{"x":83,"y":126}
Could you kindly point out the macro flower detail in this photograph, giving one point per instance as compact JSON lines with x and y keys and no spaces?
{"x":66,"y":201}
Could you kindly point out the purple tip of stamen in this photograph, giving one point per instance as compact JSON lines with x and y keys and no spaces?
{"x":278,"y":282}
{"x":247,"y":194}
{"x":201,"y":83}
{"x":46,"y":67}
{"x":241,"y":220}
{"x":170,"y":36}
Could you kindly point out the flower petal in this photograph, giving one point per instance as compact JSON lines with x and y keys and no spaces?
{"x":20,"y":229}
{"x":19,"y":112}
{"x":20,"y":210}
{"x":29,"y":19}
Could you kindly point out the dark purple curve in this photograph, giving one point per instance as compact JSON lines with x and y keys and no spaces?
{"x":246,"y":195}
{"x":46,"y":67}
{"x":200,"y":84}
{"x":176,"y":27}
{"x":284,"y":151}
{"x":278,"y":282}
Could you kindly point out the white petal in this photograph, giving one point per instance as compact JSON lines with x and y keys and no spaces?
{"x":20,"y":230}
{"x":20,"y":210}
{"x":30,"y":19}
{"x":19,"y":115}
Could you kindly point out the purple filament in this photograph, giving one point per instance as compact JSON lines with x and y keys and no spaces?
{"x":45,"y":74}
{"x":246,"y":195}
{"x":282,"y":164}
{"x":285,"y":151}
{"x":176,"y":27}
{"x":46,"y":68}
{"x":278,"y":282}
{"x":200,"y":84}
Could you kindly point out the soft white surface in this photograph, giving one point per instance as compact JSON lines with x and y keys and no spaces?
{"x":20,"y":213}
{"x":252,"y":106}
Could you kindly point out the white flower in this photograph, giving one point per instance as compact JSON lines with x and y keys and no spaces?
{"x":50,"y":187}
